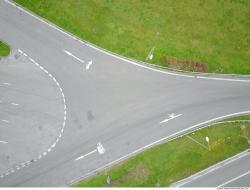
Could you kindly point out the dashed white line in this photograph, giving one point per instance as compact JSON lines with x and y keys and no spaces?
{"x":171,"y":116}
{"x":70,"y":54}
{"x":116,"y":55}
{"x":6,"y":83}
{"x":83,"y":156}
{"x":4,"y":142}
{"x":24,"y":164}
{"x":14,"y":104}
{"x":231,"y":180}
{"x":5,"y":121}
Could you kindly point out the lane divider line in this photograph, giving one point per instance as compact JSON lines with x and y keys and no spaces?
{"x":72,"y":55}
{"x":14,"y":104}
{"x":233,"y":179}
{"x":99,"y":148}
{"x":173,"y":136}
{"x":5,"y":121}
{"x":210,"y":169}
{"x":133,"y":62}
{"x":83,"y":156}
{"x":40,"y":156}
{"x":171,"y":116}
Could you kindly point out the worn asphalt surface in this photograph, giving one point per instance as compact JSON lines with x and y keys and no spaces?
{"x":114,"y":102}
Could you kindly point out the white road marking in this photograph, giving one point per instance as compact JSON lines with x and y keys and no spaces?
{"x":20,"y":51}
{"x":115,"y":55}
{"x":210,"y":169}
{"x":12,"y":170}
{"x":14,"y":104}
{"x":70,"y":54}
{"x":5,"y":121}
{"x":171,"y":116}
{"x":231,"y":180}
{"x":170,"y":137}
{"x":6,"y":83}
{"x":32,"y":60}
{"x":100,"y":148}
{"x":4,"y":142}
{"x":88,"y":65}
{"x":83,"y":156}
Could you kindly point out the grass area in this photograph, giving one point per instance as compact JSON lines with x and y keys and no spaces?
{"x":201,"y":35}
{"x":4,"y":49}
{"x":169,"y":162}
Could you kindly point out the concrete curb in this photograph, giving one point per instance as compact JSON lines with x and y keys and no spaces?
{"x":210,"y":169}
{"x":176,"y":71}
{"x":160,"y":141}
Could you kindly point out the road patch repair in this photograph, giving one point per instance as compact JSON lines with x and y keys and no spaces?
{"x":32,"y":112}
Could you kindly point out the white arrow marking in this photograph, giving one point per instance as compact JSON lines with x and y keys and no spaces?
{"x":100,"y":148}
{"x":4,"y":142}
{"x":83,"y":156}
{"x":171,"y":116}
{"x":70,"y":54}
{"x":5,"y":121}
{"x":88,"y":65}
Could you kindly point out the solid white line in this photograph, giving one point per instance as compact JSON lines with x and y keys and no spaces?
{"x":176,"y":135}
{"x":112,"y":54}
{"x":83,"y":156}
{"x":20,"y":51}
{"x":168,"y":119}
{"x":70,"y":54}
{"x":231,"y":180}
{"x":4,"y":142}
{"x":210,"y":169}
{"x":223,"y":79}
{"x":14,"y":104}
{"x":6,"y":83}
{"x":5,"y":121}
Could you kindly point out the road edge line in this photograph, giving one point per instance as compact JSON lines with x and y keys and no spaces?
{"x":162,"y":140}
{"x":129,"y":60}
{"x":210,"y":169}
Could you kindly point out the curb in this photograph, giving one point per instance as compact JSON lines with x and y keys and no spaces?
{"x":158,"y":142}
{"x":210,"y":169}
{"x":176,"y":71}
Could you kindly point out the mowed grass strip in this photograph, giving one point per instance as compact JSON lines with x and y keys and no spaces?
{"x":4,"y":49}
{"x":195,"y":34}
{"x":169,"y":162}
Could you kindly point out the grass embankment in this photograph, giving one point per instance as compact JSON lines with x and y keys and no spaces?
{"x":169,"y":162}
{"x":209,"y":36}
{"x":4,"y":49}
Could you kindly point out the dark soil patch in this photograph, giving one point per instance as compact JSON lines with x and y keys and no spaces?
{"x":187,"y":65}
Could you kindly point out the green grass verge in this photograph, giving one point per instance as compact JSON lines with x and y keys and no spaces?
{"x":212,"y":32}
{"x":4,"y":49}
{"x":169,"y":162}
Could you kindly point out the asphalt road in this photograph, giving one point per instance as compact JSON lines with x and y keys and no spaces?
{"x":234,"y":172}
{"x":112,"y":101}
